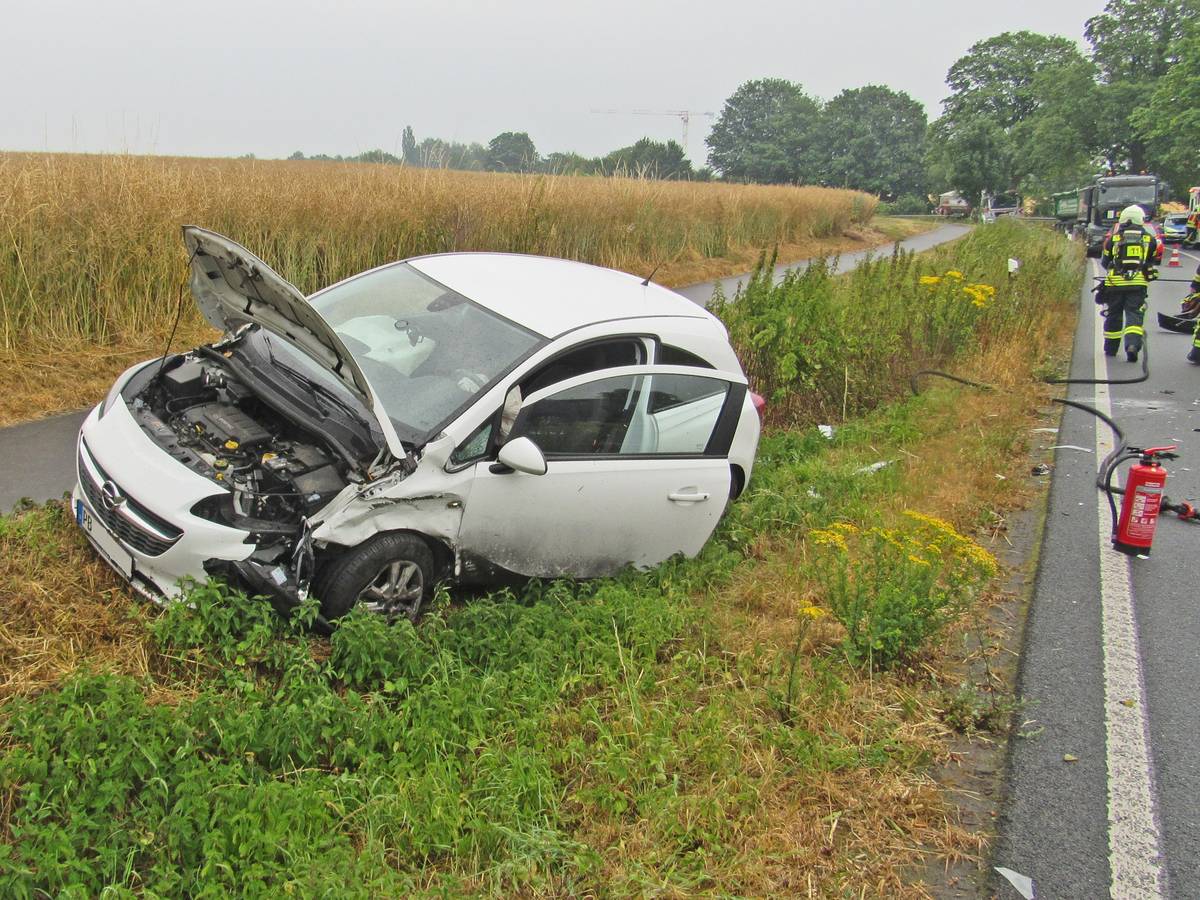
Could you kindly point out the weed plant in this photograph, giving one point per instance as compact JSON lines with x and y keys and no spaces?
{"x":825,"y":348}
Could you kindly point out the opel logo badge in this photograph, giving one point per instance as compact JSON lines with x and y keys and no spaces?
{"x":110,"y":496}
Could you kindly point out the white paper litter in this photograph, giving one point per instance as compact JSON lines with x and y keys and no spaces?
{"x":826,"y":430}
{"x":1070,"y":447}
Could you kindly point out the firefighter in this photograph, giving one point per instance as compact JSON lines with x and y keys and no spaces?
{"x":1189,"y":304}
{"x":1131,"y":252}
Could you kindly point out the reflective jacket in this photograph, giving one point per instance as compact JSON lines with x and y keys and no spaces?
{"x":1130,"y":254}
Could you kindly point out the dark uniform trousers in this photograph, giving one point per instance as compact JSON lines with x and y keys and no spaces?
{"x":1124,"y":316}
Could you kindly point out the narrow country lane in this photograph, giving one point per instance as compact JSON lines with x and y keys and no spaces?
{"x":37,"y":459}
{"x":1104,"y":771}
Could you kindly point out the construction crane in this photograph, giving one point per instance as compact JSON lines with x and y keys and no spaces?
{"x":684,"y":116}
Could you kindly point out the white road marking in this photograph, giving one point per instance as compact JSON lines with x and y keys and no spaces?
{"x":1134,"y":843}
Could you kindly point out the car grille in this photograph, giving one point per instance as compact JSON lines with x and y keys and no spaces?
{"x":130,"y":522}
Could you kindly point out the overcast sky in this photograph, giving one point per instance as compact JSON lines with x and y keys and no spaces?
{"x":272,"y":76}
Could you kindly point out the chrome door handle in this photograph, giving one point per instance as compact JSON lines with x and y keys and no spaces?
{"x":682,"y":497}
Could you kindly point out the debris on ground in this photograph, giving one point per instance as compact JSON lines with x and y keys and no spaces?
{"x":1070,"y":447}
{"x":826,"y":431}
{"x":874,"y":467}
{"x":1040,"y":469}
{"x":1023,"y":883}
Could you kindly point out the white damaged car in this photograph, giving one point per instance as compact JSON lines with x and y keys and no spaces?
{"x":467,"y":417}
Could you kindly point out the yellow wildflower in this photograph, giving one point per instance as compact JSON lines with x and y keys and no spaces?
{"x":823,"y":538}
{"x":918,"y":560}
{"x":933,"y":522}
{"x":813,"y":612}
{"x":930,"y":279}
{"x":845,"y":527}
{"x":954,"y":273}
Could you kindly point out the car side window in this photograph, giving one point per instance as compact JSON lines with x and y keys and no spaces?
{"x":627,"y":415}
{"x":677,"y":356}
{"x":591,"y":357}
{"x":476,"y":446}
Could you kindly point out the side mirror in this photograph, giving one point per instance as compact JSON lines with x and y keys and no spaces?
{"x":522,"y":455}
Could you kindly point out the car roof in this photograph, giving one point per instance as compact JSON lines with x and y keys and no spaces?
{"x":552,"y":296}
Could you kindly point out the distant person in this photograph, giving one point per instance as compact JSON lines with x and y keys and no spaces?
{"x":1131,"y":253}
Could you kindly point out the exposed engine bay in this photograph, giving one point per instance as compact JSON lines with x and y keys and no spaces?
{"x":276,"y":472}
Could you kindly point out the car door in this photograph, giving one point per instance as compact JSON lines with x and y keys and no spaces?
{"x":637,"y":470}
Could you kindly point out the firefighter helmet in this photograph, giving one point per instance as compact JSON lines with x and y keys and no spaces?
{"x":1133,"y":214}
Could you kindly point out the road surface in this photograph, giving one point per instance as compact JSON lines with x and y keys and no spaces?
{"x":39,"y":457}
{"x":1104,"y":773}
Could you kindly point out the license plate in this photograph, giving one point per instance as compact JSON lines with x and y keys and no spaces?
{"x":117,"y":556}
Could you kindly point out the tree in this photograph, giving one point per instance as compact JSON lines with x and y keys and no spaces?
{"x":408,"y":147}
{"x":569,"y":163}
{"x":1135,"y":40}
{"x":299,"y":154}
{"x":766,"y":132}
{"x":1134,"y":43}
{"x":649,"y":159}
{"x":376,"y":156}
{"x":1057,"y":146}
{"x":511,"y":151}
{"x":1023,"y":106}
{"x":976,"y":156}
{"x":873,"y":139}
{"x":997,"y":78}
{"x":1170,"y":122}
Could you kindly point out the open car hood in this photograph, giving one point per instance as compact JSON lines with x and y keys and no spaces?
{"x":232,"y":286}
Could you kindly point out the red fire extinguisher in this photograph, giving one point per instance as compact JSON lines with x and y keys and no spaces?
{"x":1141,"y":503}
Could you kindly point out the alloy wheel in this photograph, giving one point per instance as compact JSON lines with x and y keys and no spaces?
{"x":395,"y":591}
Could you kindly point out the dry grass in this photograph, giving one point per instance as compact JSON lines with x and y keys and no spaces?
{"x":91,"y":260}
{"x":61,"y":608}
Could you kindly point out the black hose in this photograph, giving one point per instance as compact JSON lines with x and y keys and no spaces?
{"x":1119,"y":454}
{"x":916,"y":388}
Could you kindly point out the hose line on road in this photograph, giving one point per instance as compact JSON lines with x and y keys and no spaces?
{"x":1121,"y":452}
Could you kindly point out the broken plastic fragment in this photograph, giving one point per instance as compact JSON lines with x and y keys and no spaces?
{"x":1040,"y":469}
{"x":1070,"y":447}
{"x":874,"y":467}
{"x":1023,"y":883}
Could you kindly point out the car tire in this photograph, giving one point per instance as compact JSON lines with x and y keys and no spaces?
{"x":391,"y":574}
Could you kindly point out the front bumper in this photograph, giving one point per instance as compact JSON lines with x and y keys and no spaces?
{"x":133,"y":501}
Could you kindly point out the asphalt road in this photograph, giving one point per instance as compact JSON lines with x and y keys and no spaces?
{"x":1104,"y":772}
{"x":37,"y":460}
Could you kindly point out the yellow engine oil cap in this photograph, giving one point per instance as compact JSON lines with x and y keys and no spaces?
{"x":231,"y":445}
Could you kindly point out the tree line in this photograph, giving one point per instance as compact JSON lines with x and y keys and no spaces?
{"x":514,"y":151}
{"x":1027,"y":113}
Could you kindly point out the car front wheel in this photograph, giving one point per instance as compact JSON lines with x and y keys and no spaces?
{"x":391,"y":574}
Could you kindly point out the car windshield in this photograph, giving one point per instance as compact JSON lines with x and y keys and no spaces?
{"x":426,"y":349}
{"x":1176,"y":220}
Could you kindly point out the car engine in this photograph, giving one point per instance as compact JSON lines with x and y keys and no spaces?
{"x":276,"y":472}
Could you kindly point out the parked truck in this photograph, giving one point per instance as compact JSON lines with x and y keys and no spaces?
{"x":1107,"y":195}
{"x":1070,"y":209}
